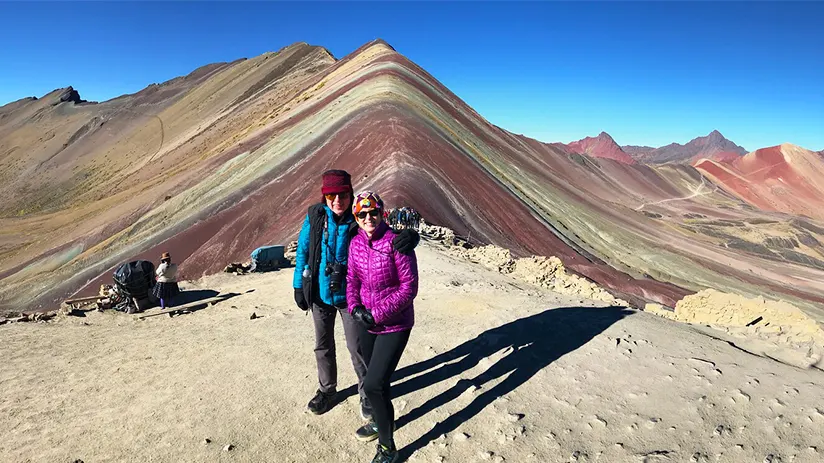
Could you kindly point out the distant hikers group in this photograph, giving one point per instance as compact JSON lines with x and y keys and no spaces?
{"x":404,"y":217}
{"x":349,"y":261}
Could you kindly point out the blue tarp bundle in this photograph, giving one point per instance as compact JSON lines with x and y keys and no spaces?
{"x":267,"y":258}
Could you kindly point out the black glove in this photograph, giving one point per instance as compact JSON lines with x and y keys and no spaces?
{"x":300,"y":300}
{"x":406,"y":240}
{"x":362,"y":315}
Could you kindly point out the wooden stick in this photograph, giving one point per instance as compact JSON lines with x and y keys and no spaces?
{"x":82,"y":299}
{"x":187,"y":306}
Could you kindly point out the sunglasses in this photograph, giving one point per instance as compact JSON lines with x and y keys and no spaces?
{"x":332,"y":196}
{"x":374,"y":213}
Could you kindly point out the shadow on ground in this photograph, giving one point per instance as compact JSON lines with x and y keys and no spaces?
{"x":532,"y":343}
{"x":188,"y":297}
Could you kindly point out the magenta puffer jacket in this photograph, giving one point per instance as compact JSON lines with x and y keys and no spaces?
{"x":382,"y":280}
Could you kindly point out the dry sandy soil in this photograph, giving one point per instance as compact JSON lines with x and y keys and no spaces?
{"x":495,"y":370}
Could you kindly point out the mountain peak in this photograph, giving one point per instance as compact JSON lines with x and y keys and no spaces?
{"x":714,"y":137}
{"x":709,"y":146}
{"x":68,"y":94}
{"x":602,"y":146}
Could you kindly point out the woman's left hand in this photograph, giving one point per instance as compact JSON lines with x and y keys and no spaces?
{"x":362,"y":315}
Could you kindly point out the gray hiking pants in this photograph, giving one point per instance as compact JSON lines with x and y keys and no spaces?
{"x":324,"y":319}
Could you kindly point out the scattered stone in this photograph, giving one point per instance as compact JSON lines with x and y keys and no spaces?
{"x":228,"y":448}
{"x":486,"y":455}
{"x":514,"y":417}
{"x":652,"y":422}
{"x":461,"y":437}
{"x":207,"y":441}
{"x":547,"y":272}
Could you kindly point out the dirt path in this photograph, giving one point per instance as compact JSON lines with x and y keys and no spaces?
{"x":495,"y":371}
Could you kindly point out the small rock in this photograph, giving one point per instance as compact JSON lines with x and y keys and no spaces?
{"x":486,"y":455}
{"x":253,"y":316}
{"x":207,"y":441}
{"x":228,"y":448}
{"x":721,"y":430}
{"x":514,"y":417}
{"x":461,"y":437}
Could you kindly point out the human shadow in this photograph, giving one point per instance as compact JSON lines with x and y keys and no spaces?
{"x":532,"y":342}
{"x":190,"y":296}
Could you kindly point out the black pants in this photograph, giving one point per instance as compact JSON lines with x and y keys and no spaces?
{"x":382,"y":352}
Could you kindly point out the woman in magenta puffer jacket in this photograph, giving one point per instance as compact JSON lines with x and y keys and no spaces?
{"x":381,"y":284}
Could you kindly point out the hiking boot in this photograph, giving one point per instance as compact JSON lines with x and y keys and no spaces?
{"x":369,"y":431}
{"x":365,"y":410}
{"x":321,"y":403}
{"x":386,"y":454}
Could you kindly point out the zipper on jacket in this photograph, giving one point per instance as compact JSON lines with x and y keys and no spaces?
{"x":369,"y":271}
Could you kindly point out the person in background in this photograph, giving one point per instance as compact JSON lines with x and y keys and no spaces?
{"x":381,"y":284}
{"x":166,"y":288}
{"x":320,"y":283}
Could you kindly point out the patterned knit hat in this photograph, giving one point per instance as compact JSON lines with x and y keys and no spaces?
{"x":365,"y":200}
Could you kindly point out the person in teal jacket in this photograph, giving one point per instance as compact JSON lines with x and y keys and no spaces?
{"x":320,"y":283}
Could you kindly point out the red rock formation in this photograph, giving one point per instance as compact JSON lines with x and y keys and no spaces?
{"x":602,"y":146}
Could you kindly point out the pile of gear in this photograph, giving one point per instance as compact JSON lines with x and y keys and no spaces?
{"x":132,"y":289}
{"x":265,"y":259}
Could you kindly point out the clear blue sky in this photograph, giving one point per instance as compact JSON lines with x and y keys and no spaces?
{"x":647,"y":73}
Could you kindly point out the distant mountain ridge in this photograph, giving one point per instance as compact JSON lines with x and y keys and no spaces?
{"x":698,"y":148}
{"x":713,"y":146}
